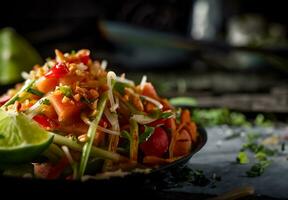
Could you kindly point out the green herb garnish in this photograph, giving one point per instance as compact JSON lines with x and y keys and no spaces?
{"x":242,"y":158}
{"x":258,"y":168}
{"x":45,"y":101}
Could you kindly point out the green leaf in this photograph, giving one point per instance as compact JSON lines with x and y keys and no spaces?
{"x":166,"y":115}
{"x":261,"y":121}
{"x":158,"y":114}
{"x":119,"y":87}
{"x":147,"y":134}
{"x":261,"y":156}
{"x":242,"y":158}
{"x":258,"y":168}
{"x":45,"y":101}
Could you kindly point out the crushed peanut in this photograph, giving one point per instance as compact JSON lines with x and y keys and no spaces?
{"x":93,"y":93}
{"x":65,"y":99}
{"x":77,"y":97}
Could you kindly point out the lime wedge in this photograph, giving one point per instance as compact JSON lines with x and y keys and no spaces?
{"x":21,"y":139}
{"x":16,"y":55}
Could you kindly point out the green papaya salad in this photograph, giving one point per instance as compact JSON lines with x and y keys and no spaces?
{"x":73,"y":119}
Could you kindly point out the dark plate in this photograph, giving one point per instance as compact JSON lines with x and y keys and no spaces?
{"x":135,"y":182}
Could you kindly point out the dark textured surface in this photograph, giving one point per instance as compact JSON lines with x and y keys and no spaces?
{"x":219,"y":155}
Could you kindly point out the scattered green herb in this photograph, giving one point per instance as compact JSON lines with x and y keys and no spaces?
{"x":258,"y":168}
{"x":242,"y":158}
{"x":256,"y":148}
{"x":220,"y":116}
{"x":261,"y":154}
{"x":261,"y":121}
{"x":199,"y":178}
{"x":196,"y":177}
{"x":45,"y":102}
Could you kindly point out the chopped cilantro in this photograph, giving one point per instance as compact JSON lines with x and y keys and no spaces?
{"x":258,"y":168}
{"x":45,"y":102}
{"x":242,"y":158}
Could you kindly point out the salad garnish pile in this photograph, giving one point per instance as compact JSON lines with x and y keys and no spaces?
{"x":72,"y":118}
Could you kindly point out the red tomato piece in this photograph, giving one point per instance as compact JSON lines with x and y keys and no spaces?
{"x":85,"y":59}
{"x":157,"y":144}
{"x":44,"y":121}
{"x":58,"y":71}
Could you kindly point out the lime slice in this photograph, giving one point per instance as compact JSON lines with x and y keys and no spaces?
{"x":16,"y":55}
{"x":21,"y":139}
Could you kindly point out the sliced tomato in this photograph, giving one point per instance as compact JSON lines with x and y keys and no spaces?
{"x":45,"y":122}
{"x":58,"y":71}
{"x":46,"y":85}
{"x":149,"y":91}
{"x":85,"y":59}
{"x":66,"y":111}
{"x":157,"y":144}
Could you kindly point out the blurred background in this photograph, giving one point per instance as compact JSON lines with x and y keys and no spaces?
{"x":222,"y":53}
